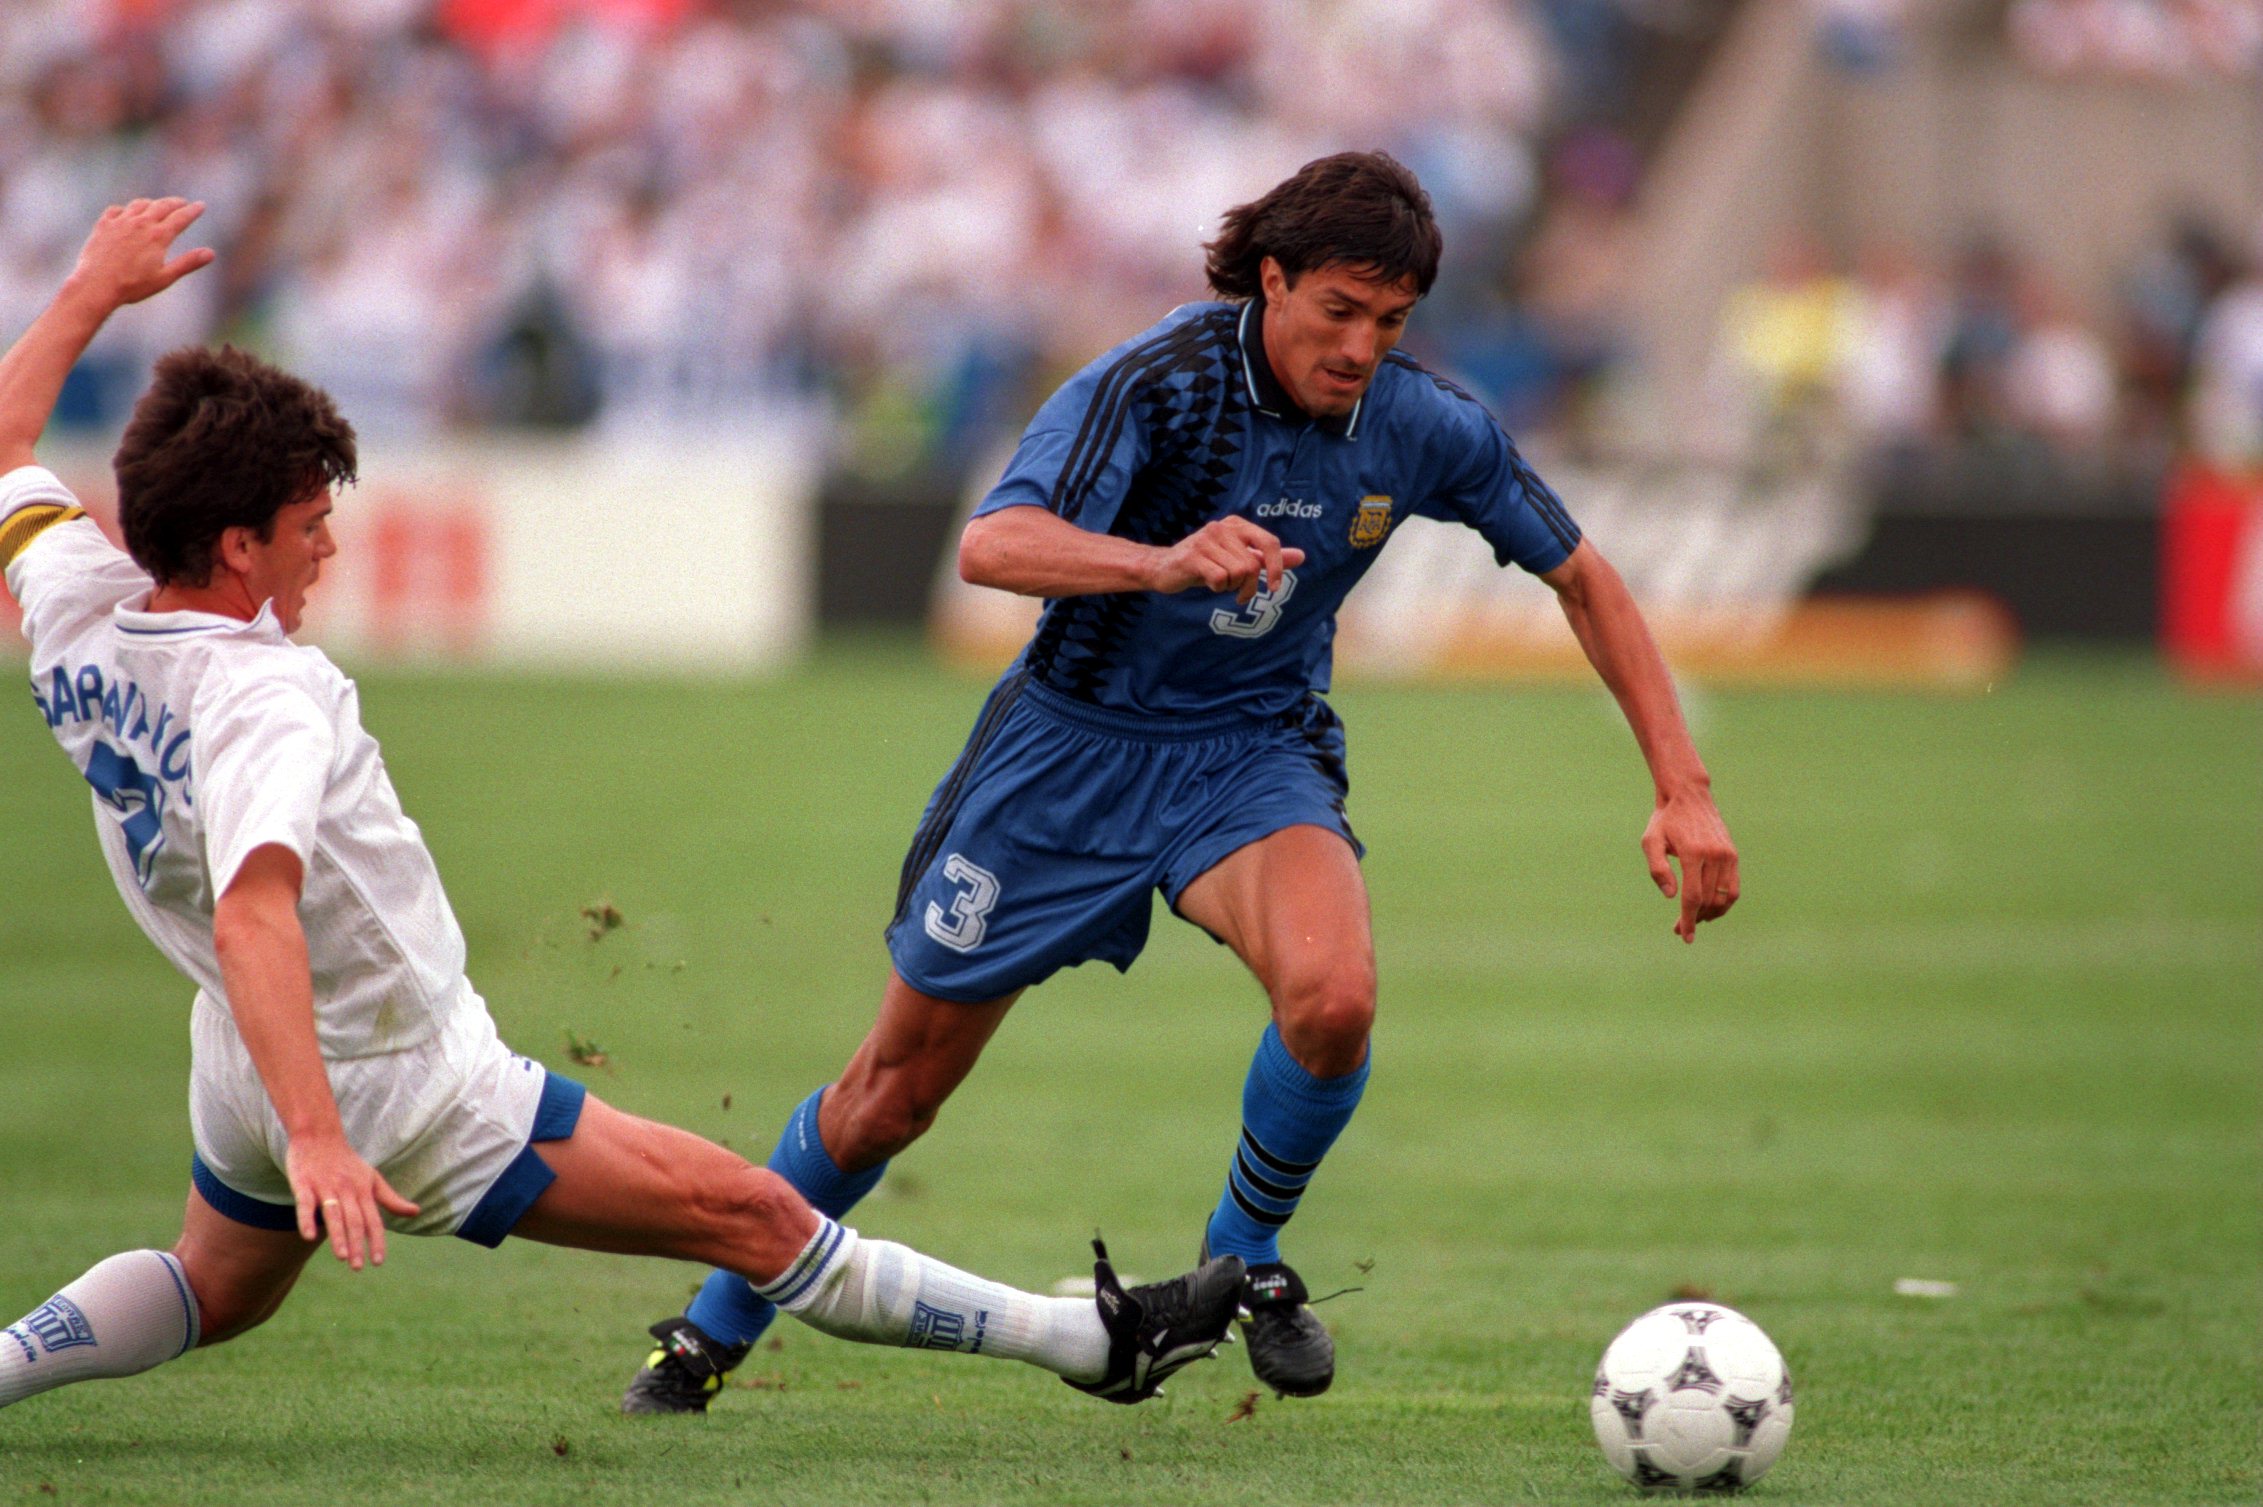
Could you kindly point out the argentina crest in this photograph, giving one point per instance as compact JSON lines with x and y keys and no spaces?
{"x":1371,"y":522}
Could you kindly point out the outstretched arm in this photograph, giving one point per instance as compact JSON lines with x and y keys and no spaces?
{"x":124,"y":261}
{"x":1686,"y":825}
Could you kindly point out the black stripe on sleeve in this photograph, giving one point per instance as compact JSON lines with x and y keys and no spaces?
{"x":1544,"y":501}
{"x":1092,"y":410}
{"x":1104,"y":416}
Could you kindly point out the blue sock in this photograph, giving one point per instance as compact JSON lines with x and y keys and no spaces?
{"x":1289,"y":1120}
{"x":727,"y":1307}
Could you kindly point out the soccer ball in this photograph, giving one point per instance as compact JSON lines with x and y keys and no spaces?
{"x":1692,"y":1397}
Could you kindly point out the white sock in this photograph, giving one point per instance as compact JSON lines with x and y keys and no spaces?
{"x":887,"y":1294}
{"x":127,"y":1314}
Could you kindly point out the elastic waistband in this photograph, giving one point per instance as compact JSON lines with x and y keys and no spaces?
{"x":1145,"y":727}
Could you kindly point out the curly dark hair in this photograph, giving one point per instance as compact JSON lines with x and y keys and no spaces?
{"x":1355,"y":209}
{"x":221,"y":440}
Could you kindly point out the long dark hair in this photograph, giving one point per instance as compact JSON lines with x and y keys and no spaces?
{"x":1357,"y":209}
{"x":221,"y":440}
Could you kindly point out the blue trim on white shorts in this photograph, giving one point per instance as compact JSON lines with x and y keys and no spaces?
{"x":241,"y":1207}
{"x":506,"y":1201}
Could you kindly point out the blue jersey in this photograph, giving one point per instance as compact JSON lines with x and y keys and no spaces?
{"x":1186,"y":424}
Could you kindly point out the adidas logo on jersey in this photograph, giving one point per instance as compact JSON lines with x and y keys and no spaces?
{"x":1288,"y":507}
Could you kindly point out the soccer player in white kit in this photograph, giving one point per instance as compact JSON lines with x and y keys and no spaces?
{"x":345,"y":1078}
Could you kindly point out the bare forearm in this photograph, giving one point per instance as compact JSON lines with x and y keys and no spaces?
{"x":33,"y":371}
{"x":263,"y":967}
{"x":1618,"y":644}
{"x":1686,"y":826}
{"x":1032,"y":552}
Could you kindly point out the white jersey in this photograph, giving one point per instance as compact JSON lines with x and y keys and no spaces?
{"x":205,"y":738}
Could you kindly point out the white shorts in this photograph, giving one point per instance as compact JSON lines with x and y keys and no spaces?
{"x":450,"y":1122}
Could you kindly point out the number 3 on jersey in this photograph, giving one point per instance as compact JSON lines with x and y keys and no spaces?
{"x":1257,"y":618}
{"x":962,"y":929}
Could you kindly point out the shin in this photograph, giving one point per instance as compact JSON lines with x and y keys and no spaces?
{"x":128,"y":1313}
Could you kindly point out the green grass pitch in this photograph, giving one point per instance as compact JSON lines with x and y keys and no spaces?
{"x":1987,"y":1014}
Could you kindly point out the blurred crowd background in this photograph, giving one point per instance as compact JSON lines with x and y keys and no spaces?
{"x":910,"y":217}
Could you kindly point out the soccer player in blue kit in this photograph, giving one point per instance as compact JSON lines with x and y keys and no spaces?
{"x":1194,"y":505}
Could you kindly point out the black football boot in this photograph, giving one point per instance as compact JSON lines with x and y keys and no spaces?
{"x":1155,"y":1329}
{"x":684,"y":1373}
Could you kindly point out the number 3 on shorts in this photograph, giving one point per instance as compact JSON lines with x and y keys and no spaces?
{"x":962,"y":930}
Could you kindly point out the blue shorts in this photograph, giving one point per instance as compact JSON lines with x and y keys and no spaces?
{"x":1041,"y":846}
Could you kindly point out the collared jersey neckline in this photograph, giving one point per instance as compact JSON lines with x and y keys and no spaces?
{"x":187,"y":623}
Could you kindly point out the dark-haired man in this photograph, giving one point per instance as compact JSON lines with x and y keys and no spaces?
{"x":1194,"y":505}
{"x":344,"y":1074}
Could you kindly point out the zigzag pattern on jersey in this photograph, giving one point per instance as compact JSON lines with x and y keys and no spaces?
{"x":1545,"y":502}
{"x":1186,"y":393}
{"x":1104,"y":414}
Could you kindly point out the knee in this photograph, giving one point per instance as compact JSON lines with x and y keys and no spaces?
{"x":752,"y":1222}
{"x":753,"y":1204}
{"x":1325,"y":1016}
